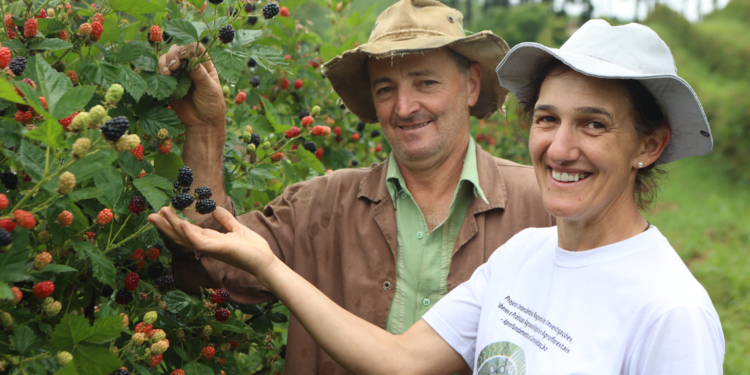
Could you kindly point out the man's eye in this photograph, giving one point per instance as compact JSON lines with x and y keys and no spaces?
{"x":429,"y":83}
{"x":593,"y":125}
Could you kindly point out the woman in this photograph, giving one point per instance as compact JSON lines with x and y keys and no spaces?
{"x":601,"y":293}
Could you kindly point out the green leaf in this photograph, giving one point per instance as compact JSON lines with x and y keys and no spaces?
{"x":132,"y":82}
{"x":86,"y":193}
{"x":104,"y":270}
{"x":32,"y":98}
{"x":32,"y":160}
{"x":180,"y":303}
{"x":50,"y":132}
{"x":228,"y":63}
{"x":159,"y":86}
{"x":71,"y":330}
{"x":266,"y":56}
{"x":260,"y":172}
{"x":24,"y":338}
{"x":99,"y":72}
{"x":168,"y":165}
{"x":146,"y":62}
{"x":13,"y":263}
{"x":181,"y":352}
{"x":183,"y":86}
{"x":217,"y":23}
{"x":273,"y":117}
{"x":95,"y":360}
{"x":73,"y":100}
{"x":8,"y":92}
{"x":200,"y":27}
{"x":244,"y":38}
{"x":260,"y":125}
{"x":92,"y":163}
{"x":52,"y":44}
{"x":136,"y":6}
{"x":155,"y":197}
{"x":105,"y":329}
{"x":53,"y":269}
{"x":131,"y":51}
{"x":14,"y":44}
{"x":195,"y":368}
{"x":278,"y":317}
{"x":6,"y":292}
{"x":53,"y":84}
{"x":160,"y":117}
{"x":311,"y":161}
{"x":129,"y":164}
{"x":110,"y":182}
{"x":68,"y":369}
{"x":182,"y":31}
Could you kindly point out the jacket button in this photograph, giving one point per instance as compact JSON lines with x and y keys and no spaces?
{"x":387,"y":285}
{"x":426,"y":302}
{"x":419,"y":235}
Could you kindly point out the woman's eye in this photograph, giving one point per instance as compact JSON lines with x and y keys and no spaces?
{"x":384,"y":90}
{"x":546,"y":119}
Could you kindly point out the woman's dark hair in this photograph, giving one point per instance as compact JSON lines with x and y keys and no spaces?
{"x":645,"y":111}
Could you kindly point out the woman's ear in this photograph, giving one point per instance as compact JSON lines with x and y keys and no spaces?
{"x":653,"y":145}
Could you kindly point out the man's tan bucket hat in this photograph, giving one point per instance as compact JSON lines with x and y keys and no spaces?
{"x":413,"y":26}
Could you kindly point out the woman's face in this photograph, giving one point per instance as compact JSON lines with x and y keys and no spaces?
{"x":584,"y":147}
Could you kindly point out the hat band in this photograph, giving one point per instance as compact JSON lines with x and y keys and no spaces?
{"x":408,"y":34}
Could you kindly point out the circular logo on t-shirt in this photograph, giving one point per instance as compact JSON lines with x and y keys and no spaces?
{"x":504,"y":358}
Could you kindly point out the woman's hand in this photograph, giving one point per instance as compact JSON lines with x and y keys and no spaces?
{"x":240,"y":246}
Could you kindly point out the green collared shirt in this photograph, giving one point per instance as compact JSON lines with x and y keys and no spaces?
{"x":423,"y":257}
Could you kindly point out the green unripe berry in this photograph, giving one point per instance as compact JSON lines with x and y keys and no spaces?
{"x":63,"y":358}
{"x":6,"y":320}
{"x":47,"y":301}
{"x":114,"y":94}
{"x":225,"y":90}
{"x":150,"y":317}
{"x":81,"y":147}
{"x":315,"y":111}
{"x":43,"y":237}
{"x":96,"y":116}
{"x":207,"y":330}
{"x":79,"y":122}
{"x":250,"y":148}
{"x":246,"y":136}
{"x":266,"y":145}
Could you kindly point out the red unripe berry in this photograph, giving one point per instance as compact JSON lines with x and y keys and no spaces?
{"x":17,"y":294}
{"x":307,"y":121}
{"x":285,"y":83}
{"x":156,"y":360}
{"x":355,"y":137}
{"x":295,"y":146}
{"x":378,"y":148}
{"x":44,"y":289}
{"x":63,"y":35}
{"x":208,"y":352}
{"x":137,"y":255}
{"x":138,"y":152}
{"x":284,"y":11}
{"x":90,"y":235}
{"x":277,"y":156}
{"x":98,"y":18}
{"x":104,"y":217}
{"x":155,"y":34}
{"x":152,"y":254}
{"x":240,"y":98}
{"x":177,"y":372}
{"x":9,"y":21}
{"x":131,"y":281}
{"x":4,"y":57}
{"x":42,"y":14}
{"x":222,"y":314}
{"x":319,"y":153}
{"x":337,"y":131}
{"x":25,"y":219}
{"x":68,"y":120}
{"x":30,"y":28}
{"x":298,"y":84}
{"x":4,"y":201}
{"x":96,"y":31}
{"x":8,"y":224}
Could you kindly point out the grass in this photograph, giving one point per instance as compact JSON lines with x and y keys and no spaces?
{"x":706,"y":217}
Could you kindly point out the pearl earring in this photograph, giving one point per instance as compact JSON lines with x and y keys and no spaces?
{"x":640,"y":164}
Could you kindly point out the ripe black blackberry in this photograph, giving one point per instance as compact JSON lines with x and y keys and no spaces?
{"x":107,"y":291}
{"x":270,"y":10}
{"x":180,"y":189}
{"x":203,"y":192}
{"x":205,"y":206}
{"x":226,"y":34}
{"x":128,"y":265}
{"x":182,"y":201}
{"x":255,"y":81}
{"x":18,"y":65}
{"x":165,"y":35}
{"x":5,"y":237}
{"x":120,"y":372}
{"x":310,"y":146}
{"x":250,"y":7}
{"x":10,"y":180}
{"x":361,"y":126}
{"x":233,"y":11}
{"x":255,"y":139}
{"x":155,"y":270}
{"x":342,"y":106}
{"x":164,"y":283}
{"x":215,"y":2}
{"x":252,"y":20}
{"x":355,"y":163}
{"x":204,"y":40}
{"x":282,"y":353}
{"x":115,"y":128}
{"x":302,"y":114}
{"x":185,"y":176}
{"x":375,"y":133}
{"x":251,"y":63}
{"x":124,"y":296}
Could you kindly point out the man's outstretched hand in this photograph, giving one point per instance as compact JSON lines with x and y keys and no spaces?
{"x":203,"y":108}
{"x":240,"y":247}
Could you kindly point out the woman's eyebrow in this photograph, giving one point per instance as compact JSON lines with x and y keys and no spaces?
{"x":594,"y":110}
{"x":545,"y":107}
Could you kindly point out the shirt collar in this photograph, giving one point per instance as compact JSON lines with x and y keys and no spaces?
{"x":395,"y":180}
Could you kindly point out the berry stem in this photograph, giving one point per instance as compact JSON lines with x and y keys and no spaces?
{"x":40,"y":8}
{"x":134,"y":235}
{"x":122,"y":226}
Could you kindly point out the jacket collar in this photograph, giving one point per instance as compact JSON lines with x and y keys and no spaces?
{"x":373,"y":185}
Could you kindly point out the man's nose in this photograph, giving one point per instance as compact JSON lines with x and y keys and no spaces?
{"x":407,"y":103}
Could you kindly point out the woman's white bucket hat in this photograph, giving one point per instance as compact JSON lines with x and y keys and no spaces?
{"x":631,"y":51}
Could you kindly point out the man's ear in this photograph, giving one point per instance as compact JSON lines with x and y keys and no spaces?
{"x":654,"y":145}
{"x":474,"y":83}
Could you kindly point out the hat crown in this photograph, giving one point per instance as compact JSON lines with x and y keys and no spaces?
{"x":409,"y":19}
{"x":633,"y":46}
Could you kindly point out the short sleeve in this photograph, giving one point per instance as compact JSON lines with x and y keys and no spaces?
{"x":456,"y":317}
{"x":685,"y":340}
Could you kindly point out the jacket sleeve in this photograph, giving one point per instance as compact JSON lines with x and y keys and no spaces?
{"x":275,"y":223}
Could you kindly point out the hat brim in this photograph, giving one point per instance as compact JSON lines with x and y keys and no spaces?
{"x":347,"y":74}
{"x":676,"y":98}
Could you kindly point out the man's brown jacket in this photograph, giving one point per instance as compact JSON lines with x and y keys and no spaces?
{"x":339,"y":232}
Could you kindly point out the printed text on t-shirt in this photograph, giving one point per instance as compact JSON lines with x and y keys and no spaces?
{"x":533,"y":323}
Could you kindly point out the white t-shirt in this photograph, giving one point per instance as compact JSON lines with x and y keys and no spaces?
{"x":632,"y":307}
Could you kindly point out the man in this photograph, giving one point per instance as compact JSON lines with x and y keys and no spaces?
{"x":385,"y":242}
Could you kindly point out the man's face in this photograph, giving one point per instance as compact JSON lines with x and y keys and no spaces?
{"x":422,"y":102}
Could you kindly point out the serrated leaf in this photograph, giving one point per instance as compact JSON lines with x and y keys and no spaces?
{"x":108,"y":181}
{"x":311,"y":161}
{"x":86,"y":193}
{"x":99,"y":72}
{"x":50,"y":132}
{"x":131,"y":51}
{"x":182,"y":31}
{"x":13,"y":263}
{"x":32,"y":98}
{"x":94,"y":360}
{"x":158,"y":181}
{"x":53,"y":84}
{"x":228,"y":63}
{"x":52,"y":44}
{"x":200,"y":27}
{"x":73,"y":100}
{"x":159,"y":117}
{"x":6,"y":292}
{"x":260,"y":125}
{"x":32,"y":160}
{"x":180,"y":303}
{"x":71,"y":330}
{"x":147,"y":63}
{"x":129,"y":164}
{"x":159,"y":86}
{"x":68,"y":369}
{"x":195,"y":368}
{"x":217,"y":23}
{"x":105,"y":329}
{"x":260,"y":172}
{"x":14,"y":44}
{"x":278,"y":317}
{"x":181,"y":352}
{"x":168,"y":165}
{"x":136,"y":6}
{"x":155,"y":197}
{"x":24,"y":338}
{"x":86,"y":167}
{"x":244,"y":38}
{"x":132,"y":82}
{"x":183,"y":86}
{"x":267,"y":56}
{"x":8,"y":92}
{"x":52,"y":269}
{"x":273,"y":117}
{"x":103,"y":268}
